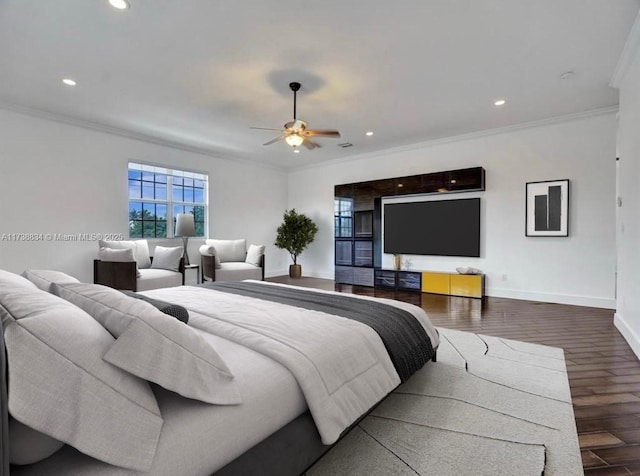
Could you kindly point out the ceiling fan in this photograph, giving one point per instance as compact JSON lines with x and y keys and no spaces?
{"x":295,"y":133}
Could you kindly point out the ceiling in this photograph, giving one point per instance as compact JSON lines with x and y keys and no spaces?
{"x":199,"y":73}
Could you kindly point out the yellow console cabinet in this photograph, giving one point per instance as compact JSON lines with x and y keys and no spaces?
{"x":436,"y":283}
{"x":453,"y":284}
{"x":469,"y":285}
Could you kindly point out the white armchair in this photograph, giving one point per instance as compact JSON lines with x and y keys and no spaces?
{"x":230,"y":260}
{"x":127,"y":265}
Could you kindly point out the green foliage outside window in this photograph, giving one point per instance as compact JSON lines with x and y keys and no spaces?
{"x":157,"y":195}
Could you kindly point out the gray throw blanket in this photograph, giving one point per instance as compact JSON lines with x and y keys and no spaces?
{"x":403,"y":336}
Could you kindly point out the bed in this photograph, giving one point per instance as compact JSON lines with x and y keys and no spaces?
{"x":299,"y":368}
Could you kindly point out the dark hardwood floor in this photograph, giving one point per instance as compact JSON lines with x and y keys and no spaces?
{"x":604,"y":374}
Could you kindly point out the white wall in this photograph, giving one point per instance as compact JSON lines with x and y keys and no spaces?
{"x":627,"y":318}
{"x":58,"y":178}
{"x":579,"y":269}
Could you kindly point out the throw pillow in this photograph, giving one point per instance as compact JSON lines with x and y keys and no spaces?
{"x":44,"y":278}
{"x":12,"y":279}
{"x":118,"y":256}
{"x":254,"y":254}
{"x":61,"y":387}
{"x":124,"y":255}
{"x":167,"y":258}
{"x":229,"y":250}
{"x":173,"y":310}
{"x":154,"y":347}
{"x":140,"y":250}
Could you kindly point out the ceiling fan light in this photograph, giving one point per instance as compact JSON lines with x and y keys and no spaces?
{"x":294,"y":140}
{"x":119,"y":4}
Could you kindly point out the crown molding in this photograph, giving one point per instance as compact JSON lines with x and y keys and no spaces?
{"x":151,"y":139}
{"x":628,"y":54}
{"x":464,"y":137}
{"x":130,"y":134}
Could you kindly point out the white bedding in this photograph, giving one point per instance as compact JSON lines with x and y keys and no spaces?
{"x":284,"y":359}
{"x":198,"y":438}
{"x":341,"y":365}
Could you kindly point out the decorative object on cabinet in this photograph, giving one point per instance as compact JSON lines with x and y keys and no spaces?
{"x":547,"y":208}
{"x":468,"y":270}
{"x":295,"y":233}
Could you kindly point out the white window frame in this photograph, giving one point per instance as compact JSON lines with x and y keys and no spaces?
{"x":169,"y":202}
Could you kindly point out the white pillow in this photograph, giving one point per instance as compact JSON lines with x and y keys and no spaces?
{"x":124,"y":255}
{"x":229,"y":250}
{"x":12,"y":279}
{"x":154,"y":346}
{"x":61,"y":386}
{"x":254,"y":254}
{"x":167,"y":258}
{"x":140,"y":250}
{"x":44,"y":278}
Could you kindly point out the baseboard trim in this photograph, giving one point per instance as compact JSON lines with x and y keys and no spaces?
{"x":630,"y":335}
{"x":277,"y":272}
{"x":587,"y":301}
{"x":318,"y":275}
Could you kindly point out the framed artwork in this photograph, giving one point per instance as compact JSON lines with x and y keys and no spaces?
{"x":547,"y":208}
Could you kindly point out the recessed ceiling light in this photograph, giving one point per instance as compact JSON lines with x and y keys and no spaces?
{"x":500,"y":102}
{"x":370,"y":133}
{"x":69,"y":82}
{"x":119,"y":4}
{"x":296,"y":151}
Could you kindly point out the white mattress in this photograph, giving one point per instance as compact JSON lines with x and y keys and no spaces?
{"x":207,"y":436}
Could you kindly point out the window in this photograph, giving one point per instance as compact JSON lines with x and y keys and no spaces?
{"x":343,"y":217}
{"x":157,"y":195}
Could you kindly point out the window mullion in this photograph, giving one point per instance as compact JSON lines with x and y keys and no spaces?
{"x":199,"y":204}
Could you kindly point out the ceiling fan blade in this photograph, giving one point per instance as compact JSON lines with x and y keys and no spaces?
{"x":265,"y":129}
{"x":309,"y":144}
{"x":273,"y":141}
{"x":323,"y":133}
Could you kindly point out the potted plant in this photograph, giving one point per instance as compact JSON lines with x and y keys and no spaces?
{"x":295,"y":233}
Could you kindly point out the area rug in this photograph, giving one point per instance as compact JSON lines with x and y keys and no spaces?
{"x":489,"y":406}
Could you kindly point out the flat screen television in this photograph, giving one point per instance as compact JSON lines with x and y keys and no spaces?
{"x":440,"y":228}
